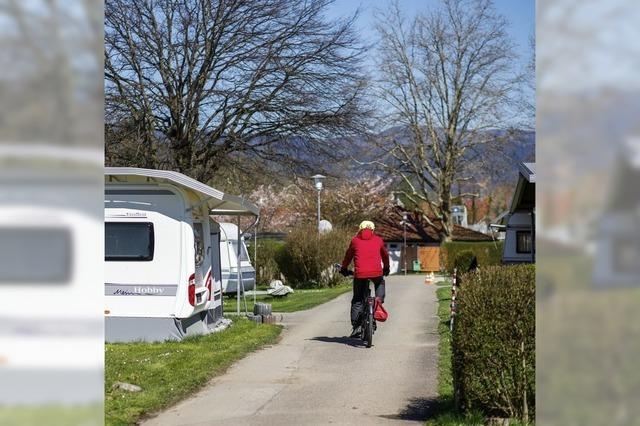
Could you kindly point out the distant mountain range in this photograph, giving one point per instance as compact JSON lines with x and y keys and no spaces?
{"x":354,"y":157}
{"x":496,"y":163}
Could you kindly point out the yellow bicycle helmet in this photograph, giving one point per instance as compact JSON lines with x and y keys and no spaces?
{"x":367,"y":224}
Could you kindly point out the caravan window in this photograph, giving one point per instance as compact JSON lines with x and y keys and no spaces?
{"x":523,"y":242}
{"x":198,"y":243}
{"x":48,"y":248}
{"x":128,"y":241}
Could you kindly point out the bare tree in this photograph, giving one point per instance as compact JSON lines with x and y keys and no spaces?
{"x":189,"y":82}
{"x":448,"y":77}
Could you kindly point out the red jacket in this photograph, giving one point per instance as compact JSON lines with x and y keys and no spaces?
{"x":368,"y":253}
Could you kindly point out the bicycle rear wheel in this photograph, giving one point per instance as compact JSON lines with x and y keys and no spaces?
{"x":369,"y":326}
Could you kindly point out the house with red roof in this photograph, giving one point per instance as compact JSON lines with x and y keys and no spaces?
{"x":409,"y":238}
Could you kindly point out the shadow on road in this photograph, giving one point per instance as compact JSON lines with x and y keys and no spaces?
{"x":345,"y":340}
{"x":418,"y":409}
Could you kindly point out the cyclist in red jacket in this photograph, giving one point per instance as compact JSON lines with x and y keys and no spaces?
{"x":371,"y":262}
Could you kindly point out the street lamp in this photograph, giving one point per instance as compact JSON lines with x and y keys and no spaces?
{"x":404,"y":247}
{"x":255,"y":260}
{"x":317,"y":182}
{"x":398,"y":202}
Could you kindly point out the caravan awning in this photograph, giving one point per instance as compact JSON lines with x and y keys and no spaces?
{"x":219,"y":203}
{"x":524,"y":197}
{"x":528,"y":171}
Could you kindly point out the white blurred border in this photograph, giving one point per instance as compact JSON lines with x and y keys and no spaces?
{"x":588,"y":247}
{"x":51,"y":211}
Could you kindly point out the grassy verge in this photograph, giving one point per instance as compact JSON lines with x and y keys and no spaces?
{"x":169,"y":371}
{"x":297,"y":301}
{"x":447,"y":416}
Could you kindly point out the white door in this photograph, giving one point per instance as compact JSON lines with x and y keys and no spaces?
{"x":216,"y":268}
{"x":395,"y":251}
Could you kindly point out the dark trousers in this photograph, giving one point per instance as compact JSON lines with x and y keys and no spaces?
{"x":360,"y":294}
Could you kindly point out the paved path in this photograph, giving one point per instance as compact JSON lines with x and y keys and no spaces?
{"x":316,"y":375}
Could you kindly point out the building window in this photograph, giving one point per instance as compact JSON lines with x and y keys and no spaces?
{"x":459,"y":215}
{"x":523,"y":242}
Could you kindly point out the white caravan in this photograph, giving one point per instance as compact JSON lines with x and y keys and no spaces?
{"x":51,"y":329}
{"x":229,"y":260}
{"x":163,"y":277}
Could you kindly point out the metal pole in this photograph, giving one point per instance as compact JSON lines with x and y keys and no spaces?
{"x":319,"y":210}
{"x":255,"y":263}
{"x":404,"y":247}
{"x":454,"y":293}
{"x":454,"y":309}
{"x":239,"y":275}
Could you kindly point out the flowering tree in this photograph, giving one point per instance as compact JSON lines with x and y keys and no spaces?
{"x":350,"y":203}
{"x":344,"y":203}
{"x":278,"y":209}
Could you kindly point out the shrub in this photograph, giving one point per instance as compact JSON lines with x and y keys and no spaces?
{"x":486,"y":253}
{"x":308,"y":258}
{"x":267,"y":262}
{"x":494,"y":342}
{"x":465,"y":261}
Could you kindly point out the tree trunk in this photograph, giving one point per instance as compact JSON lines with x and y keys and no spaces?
{"x":447,"y":223}
{"x":473,"y":209}
{"x":445,"y":204}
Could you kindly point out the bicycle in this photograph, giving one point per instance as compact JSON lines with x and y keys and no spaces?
{"x":368,"y":321}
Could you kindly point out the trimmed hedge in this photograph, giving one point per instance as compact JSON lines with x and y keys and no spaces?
{"x":465,"y":261}
{"x":487,"y":253}
{"x":493,"y":345}
{"x":308,"y":258}
{"x":269,"y":251}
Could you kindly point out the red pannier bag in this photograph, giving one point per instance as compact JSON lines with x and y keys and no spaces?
{"x":379,"y":312}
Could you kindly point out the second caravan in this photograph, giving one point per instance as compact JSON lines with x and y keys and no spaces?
{"x":230,"y":263}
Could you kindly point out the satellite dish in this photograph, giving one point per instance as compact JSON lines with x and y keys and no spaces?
{"x":325,"y":226}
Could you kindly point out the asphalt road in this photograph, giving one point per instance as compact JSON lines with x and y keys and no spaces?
{"x":316,"y":375}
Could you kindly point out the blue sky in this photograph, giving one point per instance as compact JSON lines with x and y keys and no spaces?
{"x":520,"y":13}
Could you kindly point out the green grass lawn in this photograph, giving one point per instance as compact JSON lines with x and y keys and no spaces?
{"x":446,"y":414}
{"x":170,"y":371}
{"x":445,"y":382}
{"x":444,"y":283}
{"x":297,"y":301}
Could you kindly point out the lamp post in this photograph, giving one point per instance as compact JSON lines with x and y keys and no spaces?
{"x":398,"y":202}
{"x":254,"y":262}
{"x":317,"y":183}
{"x":404,"y":246}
